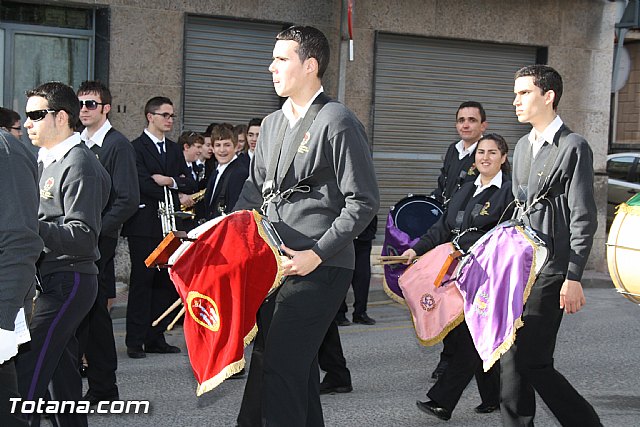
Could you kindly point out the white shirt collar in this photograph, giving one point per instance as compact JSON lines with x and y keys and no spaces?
{"x":496,"y":181}
{"x":98,"y":137}
{"x":55,"y":154}
{"x":220,"y":168}
{"x":462,"y":152}
{"x":153,"y":137}
{"x":547,"y":135}
{"x":287,"y":109}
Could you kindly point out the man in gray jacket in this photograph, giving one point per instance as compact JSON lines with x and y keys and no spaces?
{"x":553,"y":184}
{"x":74,"y":189}
{"x":323,"y":195}
{"x":21,"y":247}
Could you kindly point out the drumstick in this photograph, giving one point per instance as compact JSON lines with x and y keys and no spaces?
{"x":167,"y":311}
{"x":178,"y":316}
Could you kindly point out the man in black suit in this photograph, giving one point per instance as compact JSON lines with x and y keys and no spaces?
{"x":160,"y":165}
{"x":227,"y":179}
{"x":115,"y":153}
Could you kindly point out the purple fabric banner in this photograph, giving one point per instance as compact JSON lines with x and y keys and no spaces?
{"x":495,"y":281}
{"x":396,"y":242}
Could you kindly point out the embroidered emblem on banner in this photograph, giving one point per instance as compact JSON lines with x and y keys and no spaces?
{"x":44,"y":191}
{"x":203,"y":310}
{"x":303,"y":148}
{"x":485,"y":209}
{"x":481,"y":303}
{"x":427,"y":302}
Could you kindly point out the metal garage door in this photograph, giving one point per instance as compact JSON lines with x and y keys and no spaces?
{"x":419,"y":84}
{"x":226,"y":76}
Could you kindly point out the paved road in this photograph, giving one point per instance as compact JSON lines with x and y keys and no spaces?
{"x":598,"y":351}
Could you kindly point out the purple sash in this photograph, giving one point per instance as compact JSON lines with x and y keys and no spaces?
{"x":396,"y":242}
{"x":495,"y":279}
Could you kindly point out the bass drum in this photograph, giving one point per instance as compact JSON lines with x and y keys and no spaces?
{"x":408,"y":219}
{"x":623,"y":249}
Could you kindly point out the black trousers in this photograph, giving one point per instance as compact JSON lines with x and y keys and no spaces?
{"x":95,"y":333}
{"x":65,"y":300}
{"x":361,"y":279}
{"x":304,"y":308}
{"x":463,"y":366}
{"x":528,"y":365}
{"x":331,"y":359}
{"x":9,"y":389}
{"x":151,"y":292}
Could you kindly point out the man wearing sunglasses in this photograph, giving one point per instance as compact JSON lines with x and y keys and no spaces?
{"x":74,"y":189}
{"x":160,"y":164}
{"x":116,"y":154}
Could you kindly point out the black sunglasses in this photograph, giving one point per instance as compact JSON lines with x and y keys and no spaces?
{"x":90,"y":104}
{"x":16,"y":127}
{"x":166,"y":116}
{"x":37,"y":115}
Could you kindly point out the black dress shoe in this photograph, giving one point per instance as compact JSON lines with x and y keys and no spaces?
{"x":136,"y":352}
{"x":94,"y":399}
{"x":484,"y":408}
{"x":342,"y":321}
{"x":432,"y":408}
{"x":326,"y":388}
{"x":163,"y":348}
{"x":363,"y":319}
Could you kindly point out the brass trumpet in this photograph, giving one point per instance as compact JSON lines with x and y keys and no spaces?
{"x":196,"y":198}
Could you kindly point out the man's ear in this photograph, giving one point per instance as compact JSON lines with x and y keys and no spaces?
{"x":311,"y":66}
{"x":106,"y":108}
{"x":549,"y":97}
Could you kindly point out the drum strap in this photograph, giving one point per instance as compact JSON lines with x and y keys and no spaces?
{"x":271,"y":187}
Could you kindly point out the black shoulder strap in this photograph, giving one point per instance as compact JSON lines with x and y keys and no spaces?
{"x":271,"y":186}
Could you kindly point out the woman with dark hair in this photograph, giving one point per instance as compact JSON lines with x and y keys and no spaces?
{"x":473,"y":210}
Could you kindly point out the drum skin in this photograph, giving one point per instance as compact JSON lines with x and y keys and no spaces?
{"x":623,"y":252}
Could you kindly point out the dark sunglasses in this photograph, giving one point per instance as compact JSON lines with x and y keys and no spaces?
{"x":166,"y":116}
{"x":37,"y":115}
{"x":16,"y":127}
{"x":90,"y":104}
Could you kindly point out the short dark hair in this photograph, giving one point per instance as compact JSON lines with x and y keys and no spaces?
{"x":190,"y":138}
{"x":8,"y":118}
{"x":502,"y":146}
{"x":154,"y":103}
{"x":60,"y":97}
{"x":95,"y":86}
{"x":544,"y":77}
{"x":312,"y":43}
{"x":256,"y":121}
{"x":473,"y":104}
{"x":223,"y":131}
{"x":207,"y":132}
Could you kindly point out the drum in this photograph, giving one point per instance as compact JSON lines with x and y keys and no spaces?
{"x":623,"y":249}
{"x":408,"y":219}
{"x":495,"y":278}
{"x":435,"y":311}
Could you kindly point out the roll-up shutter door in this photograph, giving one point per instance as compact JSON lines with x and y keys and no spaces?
{"x":226,"y":76}
{"x":419,"y":84}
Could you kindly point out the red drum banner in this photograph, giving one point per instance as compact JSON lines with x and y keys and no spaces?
{"x":223,"y":277}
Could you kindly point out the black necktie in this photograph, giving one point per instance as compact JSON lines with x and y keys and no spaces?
{"x":212,"y":183}
{"x":161,"y":148}
{"x":40,"y":169}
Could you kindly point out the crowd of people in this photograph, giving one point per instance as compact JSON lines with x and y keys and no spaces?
{"x":312,"y":176}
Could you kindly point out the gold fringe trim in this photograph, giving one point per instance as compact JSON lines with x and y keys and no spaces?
{"x":251,"y":335}
{"x":214,"y":382}
{"x":448,"y":328}
{"x":390,"y":293}
{"x":518,"y":323}
{"x":263,"y":234}
{"x":631,"y":210}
